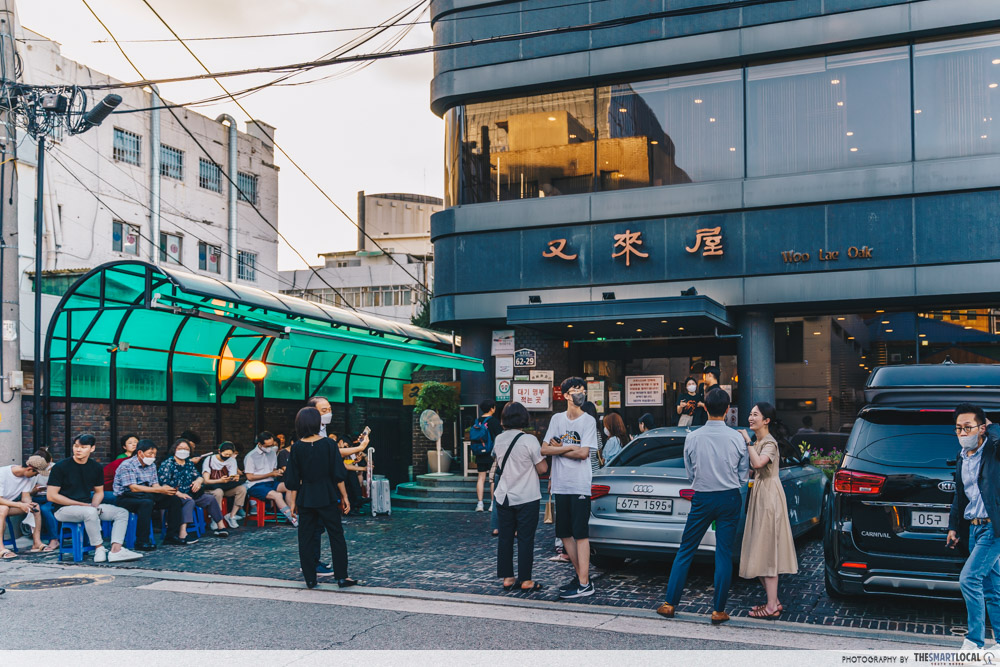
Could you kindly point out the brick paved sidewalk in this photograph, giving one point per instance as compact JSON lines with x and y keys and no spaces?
{"x":454,"y":552}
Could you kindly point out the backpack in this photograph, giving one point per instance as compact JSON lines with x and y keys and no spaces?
{"x":482,"y":440}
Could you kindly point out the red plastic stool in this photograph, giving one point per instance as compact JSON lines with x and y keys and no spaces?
{"x":258,"y":510}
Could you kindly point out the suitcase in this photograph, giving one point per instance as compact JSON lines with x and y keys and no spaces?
{"x":381,"y":503}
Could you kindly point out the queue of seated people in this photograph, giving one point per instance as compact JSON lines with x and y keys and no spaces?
{"x":79,"y":490}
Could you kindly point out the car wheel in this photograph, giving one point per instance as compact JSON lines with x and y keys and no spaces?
{"x":607,"y":562}
{"x":832,"y":591}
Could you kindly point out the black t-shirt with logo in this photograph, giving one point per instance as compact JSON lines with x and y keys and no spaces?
{"x":77,"y":481}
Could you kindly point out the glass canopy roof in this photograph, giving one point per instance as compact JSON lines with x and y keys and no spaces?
{"x":134,"y":331}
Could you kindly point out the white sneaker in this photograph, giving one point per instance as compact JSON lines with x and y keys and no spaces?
{"x":232,"y":521}
{"x":123,"y":555}
{"x":213,"y":525}
{"x":479,"y":506}
{"x":970,"y":646}
{"x":101,"y":554}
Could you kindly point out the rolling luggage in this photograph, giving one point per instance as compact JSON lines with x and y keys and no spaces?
{"x":378,"y":489}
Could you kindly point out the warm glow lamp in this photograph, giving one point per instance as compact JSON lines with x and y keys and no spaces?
{"x":255,"y":370}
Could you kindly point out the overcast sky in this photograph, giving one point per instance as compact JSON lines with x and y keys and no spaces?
{"x":371,"y":130}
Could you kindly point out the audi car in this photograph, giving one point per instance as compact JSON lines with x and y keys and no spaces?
{"x":642,"y":498}
{"x":888,"y":515}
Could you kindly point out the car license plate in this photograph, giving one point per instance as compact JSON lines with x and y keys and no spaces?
{"x":928,"y":519}
{"x":654,"y":505}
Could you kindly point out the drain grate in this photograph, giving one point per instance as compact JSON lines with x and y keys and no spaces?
{"x":60,"y":582}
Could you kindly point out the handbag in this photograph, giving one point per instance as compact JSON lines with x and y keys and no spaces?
{"x":500,"y":467}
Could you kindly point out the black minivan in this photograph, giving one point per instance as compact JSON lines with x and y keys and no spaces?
{"x":888,"y":515}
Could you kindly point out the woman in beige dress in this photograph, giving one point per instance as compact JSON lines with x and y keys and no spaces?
{"x":768,"y":548}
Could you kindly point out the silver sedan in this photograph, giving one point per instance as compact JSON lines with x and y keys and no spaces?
{"x":642,"y":497}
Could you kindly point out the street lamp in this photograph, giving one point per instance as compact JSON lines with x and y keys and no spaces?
{"x":256,"y":371}
{"x":53,"y":104}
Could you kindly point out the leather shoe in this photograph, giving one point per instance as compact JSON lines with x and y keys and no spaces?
{"x":149,"y":546}
{"x":719,"y":617}
{"x":666,"y":610}
{"x":311,"y":584}
{"x":346,"y":583}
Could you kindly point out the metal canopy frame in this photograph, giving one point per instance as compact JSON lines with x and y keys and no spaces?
{"x":125,"y":325}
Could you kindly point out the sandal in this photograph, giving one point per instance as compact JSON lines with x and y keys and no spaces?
{"x":7,"y":554}
{"x":535,"y":586}
{"x":511,"y":586}
{"x":761,"y":607}
{"x":495,"y":533}
{"x":762,"y":613}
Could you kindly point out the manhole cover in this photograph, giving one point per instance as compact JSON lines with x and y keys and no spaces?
{"x":61,"y":582}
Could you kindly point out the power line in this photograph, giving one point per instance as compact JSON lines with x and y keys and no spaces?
{"x":544,"y":32}
{"x":285,"y":153}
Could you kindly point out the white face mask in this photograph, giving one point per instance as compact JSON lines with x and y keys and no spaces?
{"x":969,"y":441}
{"x":148,"y":460}
{"x":270,"y":450}
{"x":326,"y":418}
{"x":692,"y":387}
{"x":607,"y":432}
{"x":182,"y":454}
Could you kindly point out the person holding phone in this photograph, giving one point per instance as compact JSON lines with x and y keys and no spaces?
{"x":222,"y":479}
{"x":975,"y":513}
{"x":687,"y":402}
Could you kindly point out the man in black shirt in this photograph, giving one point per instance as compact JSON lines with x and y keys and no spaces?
{"x":487,"y":412}
{"x":76,"y":489}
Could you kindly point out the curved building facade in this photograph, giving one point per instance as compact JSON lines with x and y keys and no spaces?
{"x":794,"y":191}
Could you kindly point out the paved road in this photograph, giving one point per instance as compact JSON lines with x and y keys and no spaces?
{"x":181,"y":611}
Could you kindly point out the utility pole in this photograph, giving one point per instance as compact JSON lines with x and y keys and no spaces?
{"x":10,"y":316}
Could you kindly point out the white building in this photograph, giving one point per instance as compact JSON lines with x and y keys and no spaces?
{"x":101,"y":192}
{"x":392,"y":269}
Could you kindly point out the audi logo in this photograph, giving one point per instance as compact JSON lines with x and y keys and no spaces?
{"x":642,"y":488}
{"x":946,"y":486}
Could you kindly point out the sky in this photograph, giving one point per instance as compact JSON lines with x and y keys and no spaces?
{"x":369,"y":130}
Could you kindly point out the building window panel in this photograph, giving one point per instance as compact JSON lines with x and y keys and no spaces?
{"x":171,"y":162}
{"x":170,"y":248}
{"x":127,"y":147}
{"x":680,"y":130}
{"x":538,"y":146}
{"x":956,"y":87}
{"x":247,"y":184}
{"x":209,"y":257}
{"x":124,"y":238}
{"x":828,"y":113}
{"x":246,"y":265}
{"x":209,"y":175}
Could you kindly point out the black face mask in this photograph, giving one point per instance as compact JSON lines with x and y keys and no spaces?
{"x":578,"y":399}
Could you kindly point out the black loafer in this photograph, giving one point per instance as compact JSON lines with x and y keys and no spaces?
{"x":175,"y":541}
{"x":149,"y":546}
{"x":311,"y":584}
{"x":346,"y":583}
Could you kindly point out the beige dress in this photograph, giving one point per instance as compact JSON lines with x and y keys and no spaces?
{"x":768,"y":548}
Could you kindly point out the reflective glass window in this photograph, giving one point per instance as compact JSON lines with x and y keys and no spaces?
{"x":124,"y":238}
{"x":825,"y":113}
{"x":956,"y":86}
{"x":538,"y":146}
{"x":680,"y":130}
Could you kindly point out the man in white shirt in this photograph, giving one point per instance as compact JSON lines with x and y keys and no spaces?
{"x":16,"y":483}
{"x":570,"y":437}
{"x":325,"y":413}
{"x":264,"y":477}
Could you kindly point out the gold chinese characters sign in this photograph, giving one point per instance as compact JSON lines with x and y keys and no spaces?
{"x":628,"y":244}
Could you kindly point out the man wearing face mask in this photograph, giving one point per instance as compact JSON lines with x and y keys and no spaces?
{"x":264,"y":476}
{"x":138,"y":489}
{"x":687,"y":403}
{"x":325,"y":413}
{"x":569,"y":440}
{"x":711,"y":379}
{"x":975,"y":511}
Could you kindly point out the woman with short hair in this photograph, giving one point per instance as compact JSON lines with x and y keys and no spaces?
{"x":222,"y":479}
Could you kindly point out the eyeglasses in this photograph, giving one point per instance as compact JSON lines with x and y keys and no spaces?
{"x":965,"y":430}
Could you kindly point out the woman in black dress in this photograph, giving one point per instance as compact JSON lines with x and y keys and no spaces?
{"x":315,"y":476}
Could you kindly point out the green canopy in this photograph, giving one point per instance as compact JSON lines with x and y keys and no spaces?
{"x":134,"y":331}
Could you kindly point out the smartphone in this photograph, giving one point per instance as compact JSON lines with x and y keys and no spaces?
{"x":366,"y":431}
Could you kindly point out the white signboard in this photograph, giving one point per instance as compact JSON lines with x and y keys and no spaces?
{"x":595,"y":394}
{"x":533,"y":395}
{"x":503,"y":390}
{"x":542,"y":376}
{"x":503,"y":342}
{"x":614,"y":399}
{"x":505,"y":367}
{"x":643,"y":390}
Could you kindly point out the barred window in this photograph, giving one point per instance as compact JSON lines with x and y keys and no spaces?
{"x":171,"y":162}
{"x":124,"y":238}
{"x":246,"y":265}
{"x":209,"y":257}
{"x":247,"y":184}
{"x":127,"y":147}
{"x":209,"y":175}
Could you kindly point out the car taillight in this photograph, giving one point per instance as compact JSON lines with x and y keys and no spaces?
{"x":858,"y":483}
{"x":598,"y":491}
{"x":687,"y":494}
{"x":854,"y":566}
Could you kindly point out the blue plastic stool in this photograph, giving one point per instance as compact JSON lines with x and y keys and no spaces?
{"x":106,"y":527}
{"x":12,"y":540}
{"x":197,"y":526}
{"x":79,"y":545}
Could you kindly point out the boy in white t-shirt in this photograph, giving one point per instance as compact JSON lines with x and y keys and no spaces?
{"x":16,"y":483}
{"x":570,"y":437}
